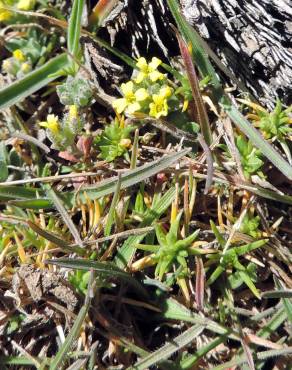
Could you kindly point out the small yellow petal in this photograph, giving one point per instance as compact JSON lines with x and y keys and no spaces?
{"x":142,"y":64}
{"x":25,"y":4}
{"x":127,"y":88}
{"x":165,"y":92}
{"x":140,"y":77}
{"x":155,"y":76}
{"x":141,"y":94}
{"x":155,"y":62}
{"x":132,"y":108}
{"x":120,"y":105}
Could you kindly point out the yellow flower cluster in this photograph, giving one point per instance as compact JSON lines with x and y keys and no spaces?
{"x":140,"y":94}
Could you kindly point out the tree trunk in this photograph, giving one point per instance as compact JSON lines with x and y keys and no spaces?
{"x":252,"y":38}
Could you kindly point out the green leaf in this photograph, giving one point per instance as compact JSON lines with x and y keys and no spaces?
{"x":286,"y":296}
{"x":3,"y":171}
{"x":55,"y":239}
{"x":173,"y":310}
{"x":106,"y":269}
{"x":281,"y":293}
{"x":40,"y":203}
{"x":32,"y":82}
{"x":74,"y":27}
{"x":66,"y":218}
{"x":16,"y":192}
{"x":74,"y":332}
{"x":129,"y":178}
{"x":168,"y":349}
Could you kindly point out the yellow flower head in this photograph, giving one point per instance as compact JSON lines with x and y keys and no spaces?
{"x":25,"y":4}
{"x":130,"y":102}
{"x":25,"y":67}
{"x":159,"y":106}
{"x":18,"y":54}
{"x":5,"y":14}
{"x":149,"y":70}
{"x":125,"y":143}
{"x":51,"y":123}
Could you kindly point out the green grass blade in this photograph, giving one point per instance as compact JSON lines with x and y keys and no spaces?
{"x":74,"y":27}
{"x":40,"y":203}
{"x":16,"y":192}
{"x":239,"y":360}
{"x":74,"y":332}
{"x":33,"y":81}
{"x":173,"y":310}
{"x":128,"y":178}
{"x":168,"y":349}
{"x":190,"y":360}
{"x":286,"y":296}
{"x":66,"y":218}
{"x":106,"y":269}
{"x":55,"y":239}
{"x":281,"y":293}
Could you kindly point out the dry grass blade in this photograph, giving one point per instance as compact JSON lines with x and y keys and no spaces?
{"x":194,"y":82}
{"x":200,"y":283}
{"x":210,"y":167}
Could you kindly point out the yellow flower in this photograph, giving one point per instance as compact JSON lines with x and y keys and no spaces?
{"x":25,"y":4}
{"x":18,"y":54}
{"x":5,"y":15}
{"x":159,"y":106}
{"x":51,"y":123}
{"x":131,"y":99}
{"x":25,"y":67}
{"x":149,"y":70}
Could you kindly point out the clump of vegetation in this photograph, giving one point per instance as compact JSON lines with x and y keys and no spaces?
{"x":136,"y":211}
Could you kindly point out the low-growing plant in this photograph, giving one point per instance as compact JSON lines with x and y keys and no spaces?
{"x":229,"y":260}
{"x":114,"y":141}
{"x":172,"y":250}
{"x":251,"y":157}
{"x":62,"y":133}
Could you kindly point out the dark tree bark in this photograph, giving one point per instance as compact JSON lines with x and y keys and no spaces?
{"x":252,"y":38}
